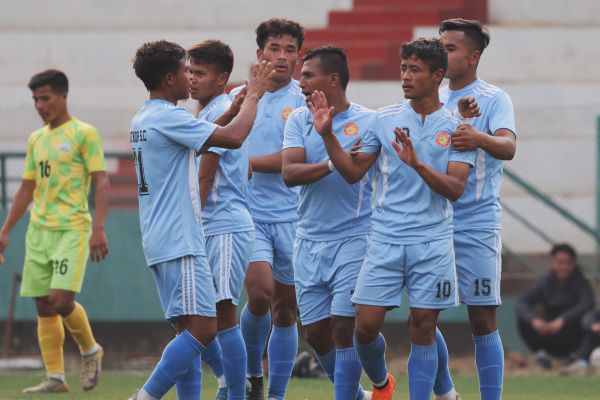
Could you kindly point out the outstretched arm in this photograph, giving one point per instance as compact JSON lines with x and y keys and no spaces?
{"x":17,"y":209}
{"x":232,"y":135}
{"x":352,"y":168}
{"x":450,"y":185}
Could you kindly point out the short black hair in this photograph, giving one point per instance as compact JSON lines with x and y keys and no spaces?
{"x":213,"y":52}
{"x":277,"y":27}
{"x":332,"y":59}
{"x":57,"y":80}
{"x":474,"y":30}
{"x":563,"y":248}
{"x":153,"y":60}
{"x":430,"y":51}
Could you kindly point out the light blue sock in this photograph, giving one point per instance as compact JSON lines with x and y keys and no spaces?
{"x":372,"y":358}
{"x":176,"y":360}
{"x":443,"y":381}
{"x":255,"y":330}
{"x":347,"y":374}
{"x":189,"y":385}
{"x":422,"y":366}
{"x":327,"y":362}
{"x":234,"y":362}
{"x":282,"y":349}
{"x":212,"y":356}
{"x":489,"y":357}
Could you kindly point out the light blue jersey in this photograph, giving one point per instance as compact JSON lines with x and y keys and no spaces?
{"x":405,"y":209}
{"x":226,"y":208}
{"x":270,"y":200}
{"x":330,"y":208}
{"x":165,"y":139}
{"x":479,"y":206}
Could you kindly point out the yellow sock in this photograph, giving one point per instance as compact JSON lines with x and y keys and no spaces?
{"x":51,"y":337}
{"x":78,"y":324}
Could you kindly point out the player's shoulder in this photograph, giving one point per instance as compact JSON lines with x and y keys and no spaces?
{"x":84,"y":127}
{"x":362,"y":110}
{"x":392,"y":110}
{"x":487,"y":90}
{"x":293,"y":90}
{"x":300,"y":112}
{"x":448,"y":117}
{"x":233,"y":92}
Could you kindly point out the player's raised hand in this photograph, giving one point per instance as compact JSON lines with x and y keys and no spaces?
{"x":322,"y":113}
{"x":260,"y":77}
{"x":98,"y":245}
{"x":468,"y":107}
{"x":406,"y":152}
{"x":236,"y":104}
{"x":355,"y":148}
{"x":466,"y":138}
{"x":3,"y":245}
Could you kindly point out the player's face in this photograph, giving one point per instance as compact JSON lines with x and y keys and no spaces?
{"x":180,"y":81}
{"x":49,"y":104}
{"x":460,"y":54}
{"x":563,"y":265}
{"x":283,"y":53}
{"x":312,"y":78}
{"x":205,"y":81}
{"x":418,"y":81}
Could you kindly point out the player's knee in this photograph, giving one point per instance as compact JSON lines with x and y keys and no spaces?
{"x":342,"y":337}
{"x":364,"y":333}
{"x":422,"y":329}
{"x":259,"y":301}
{"x":283,"y":315}
{"x":482,"y":325}
{"x":61,"y":305}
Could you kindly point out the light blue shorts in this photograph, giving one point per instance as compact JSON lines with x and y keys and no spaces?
{"x":228,"y":257}
{"x":185,"y":287}
{"x":479,"y":266}
{"x":326,"y":274}
{"x":427,"y":270}
{"x":273,"y":243}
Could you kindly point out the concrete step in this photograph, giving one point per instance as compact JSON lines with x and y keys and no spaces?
{"x":141,"y":15}
{"x":347,"y":33}
{"x":378,"y":18}
{"x":544,"y":12}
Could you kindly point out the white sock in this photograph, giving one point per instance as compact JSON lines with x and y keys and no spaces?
{"x":92,"y":351}
{"x":60,"y":377}
{"x":451,"y":395}
{"x":221,"y":381}
{"x":143,"y":395}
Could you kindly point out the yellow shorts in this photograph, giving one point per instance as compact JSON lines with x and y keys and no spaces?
{"x":54,"y":260}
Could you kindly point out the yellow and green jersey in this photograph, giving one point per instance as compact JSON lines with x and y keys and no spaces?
{"x":60,"y":160}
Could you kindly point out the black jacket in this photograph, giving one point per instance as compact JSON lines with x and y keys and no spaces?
{"x":569,"y":300}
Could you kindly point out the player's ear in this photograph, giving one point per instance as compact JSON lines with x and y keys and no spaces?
{"x":223,"y":78}
{"x":334,"y":79}
{"x":259,"y":54}
{"x":439,"y":75}
{"x":475,"y":56}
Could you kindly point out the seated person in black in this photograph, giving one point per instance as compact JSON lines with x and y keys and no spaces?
{"x":549,"y":313}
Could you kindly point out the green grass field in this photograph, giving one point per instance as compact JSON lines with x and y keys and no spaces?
{"x":121,"y":384}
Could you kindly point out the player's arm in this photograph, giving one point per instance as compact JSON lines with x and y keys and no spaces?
{"x":98,"y":240}
{"x":450,"y":185}
{"x":228,"y":115}
{"x":17,"y":209}
{"x":209,"y":164}
{"x":269,"y":163}
{"x":351,"y":167}
{"x":232,"y":135}
{"x":297,"y":172}
{"x":502,"y":145}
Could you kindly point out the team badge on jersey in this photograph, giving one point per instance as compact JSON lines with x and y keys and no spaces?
{"x":285,"y":113}
{"x":442,"y":139}
{"x":350,"y":129}
{"x":64,"y":146}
